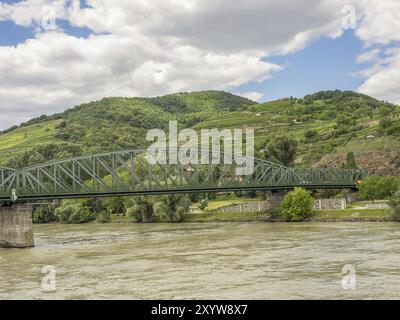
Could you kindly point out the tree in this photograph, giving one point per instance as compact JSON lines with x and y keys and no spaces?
{"x":350,"y":161}
{"x":44,"y":213}
{"x":175,"y":207}
{"x":141,"y":209}
{"x":113,"y":205}
{"x":385,"y":123}
{"x":378,"y":187}
{"x":395,"y":206}
{"x":72,"y":211}
{"x":103,"y":216}
{"x":297,"y":205}
{"x":343,"y":120}
{"x":282,"y":150}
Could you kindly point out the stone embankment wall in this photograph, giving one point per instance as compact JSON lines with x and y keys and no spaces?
{"x":377,"y":206}
{"x":326,"y":204}
{"x":257,"y":206}
{"x":262,"y":206}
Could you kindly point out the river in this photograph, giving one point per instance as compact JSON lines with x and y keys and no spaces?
{"x":206,"y":261}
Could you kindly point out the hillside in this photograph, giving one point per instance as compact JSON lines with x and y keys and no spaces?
{"x":326,"y":124}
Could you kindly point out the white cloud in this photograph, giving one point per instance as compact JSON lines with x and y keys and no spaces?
{"x":252,"y":95}
{"x":146,"y":48}
{"x":54,"y":71}
{"x":383,"y":78}
{"x":34,"y":13}
{"x":369,"y":56}
{"x":380,"y":27}
{"x":380,"y":23}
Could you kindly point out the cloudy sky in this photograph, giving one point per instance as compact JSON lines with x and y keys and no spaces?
{"x":60,"y":53}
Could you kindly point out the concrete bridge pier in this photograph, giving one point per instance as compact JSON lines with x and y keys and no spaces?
{"x":350,"y":197}
{"x":16,"y":226}
{"x":274,"y":198}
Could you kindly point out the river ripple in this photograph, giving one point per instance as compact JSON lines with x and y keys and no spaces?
{"x":206,"y":261}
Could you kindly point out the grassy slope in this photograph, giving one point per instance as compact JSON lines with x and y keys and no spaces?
{"x":118,"y":123}
{"x":282,"y":118}
{"x":24,"y":138}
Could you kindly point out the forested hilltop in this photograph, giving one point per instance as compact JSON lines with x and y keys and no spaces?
{"x":326,"y":125}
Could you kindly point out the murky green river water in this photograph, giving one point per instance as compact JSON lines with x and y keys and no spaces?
{"x":210,"y":261}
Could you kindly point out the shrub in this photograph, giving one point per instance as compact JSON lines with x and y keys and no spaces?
{"x":395,"y":206}
{"x":378,"y":187}
{"x":113,"y":205}
{"x":134,"y":212}
{"x":73,"y":212}
{"x":103,"y":217}
{"x":175,"y":207}
{"x":297,"y":205}
{"x":311,"y":135}
{"x":140,"y":209}
{"x":62,"y":135}
{"x":60,"y":125}
{"x":44,"y":213}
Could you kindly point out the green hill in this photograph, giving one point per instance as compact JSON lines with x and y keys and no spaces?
{"x":326,"y":124}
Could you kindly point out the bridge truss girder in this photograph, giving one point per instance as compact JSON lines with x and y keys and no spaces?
{"x":129,"y":173}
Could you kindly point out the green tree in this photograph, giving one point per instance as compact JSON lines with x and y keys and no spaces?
{"x":297,"y":205}
{"x":44,"y":213}
{"x":103,"y":216}
{"x":378,"y":187}
{"x":350,"y":161}
{"x":385,"y":123}
{"x":175,"y":207}
{"x":395,"y":205}
{"x":282,"y":150}
{"x":72,"y":211}
{"x":113,"y":204}
{"x":141,"y":209}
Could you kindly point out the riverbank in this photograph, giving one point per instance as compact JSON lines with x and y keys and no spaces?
{"x":347,"y":215}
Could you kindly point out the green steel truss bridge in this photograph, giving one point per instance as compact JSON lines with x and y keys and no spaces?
{"x":129,"y":173}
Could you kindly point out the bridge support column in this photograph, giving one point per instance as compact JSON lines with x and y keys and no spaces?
{"x":349,"y":195}
{"x":16,"y":226}
{"x":274,"y":198}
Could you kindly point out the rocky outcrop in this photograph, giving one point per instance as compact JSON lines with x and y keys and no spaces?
{"x":379,"y":162}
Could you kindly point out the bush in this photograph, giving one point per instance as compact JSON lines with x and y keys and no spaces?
{"x":60,"y":125}
{"x":297,"y":205}
{"x":274,"y":212}
{"x":135,"y":212}
{"x":311,"y":136}
{"x":103,"y":217}
{"x":44,"y":213}
{"x":113,"y":205}
{"x":140,"y":209}
{"x":395,"y":206}
{"x":175,"y":207}
{"x":73,"y":212}
{"x":378,"y":187}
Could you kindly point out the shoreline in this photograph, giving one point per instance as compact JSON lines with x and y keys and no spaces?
{"x":336,"y":216}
